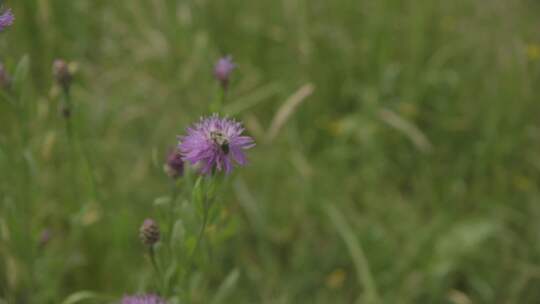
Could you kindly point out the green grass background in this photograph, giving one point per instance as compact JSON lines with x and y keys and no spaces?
{"x":410,"y":175}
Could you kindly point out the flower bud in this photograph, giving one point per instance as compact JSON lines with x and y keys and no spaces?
{"x":62,"y":73}
{"x":149,"y":232}
{"x":174,"y":167}
{"x":223,"y":70}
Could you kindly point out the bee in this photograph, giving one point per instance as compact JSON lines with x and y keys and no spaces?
{"x":225,"y":147}
{"x":220,"y":140}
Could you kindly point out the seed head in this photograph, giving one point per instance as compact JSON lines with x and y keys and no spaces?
{"x":149,"y":232}
{"x":223,"y":70}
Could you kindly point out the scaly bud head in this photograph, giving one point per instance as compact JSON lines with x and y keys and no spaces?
{"x":149,"y":232}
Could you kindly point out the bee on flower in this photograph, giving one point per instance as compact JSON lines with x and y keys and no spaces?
{"x":216,"y":144}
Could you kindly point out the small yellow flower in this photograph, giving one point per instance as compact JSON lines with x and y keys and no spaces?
{"x":448,"y":23}
{"x":48,"y":145}
{"x":408,"y":109}
{"x":523,"y":183}
{"x":335,"y":127}
{"x":336,"y":279}
{"x":533,"y":52}
{"x":91,"y":213}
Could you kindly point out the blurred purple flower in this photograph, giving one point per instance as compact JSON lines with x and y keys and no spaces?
{"x":6,"y":19}
{"x":175,"y":165}
{"x":45,"y":237}
{"x":143,"y":299}
{"x":223,"y":70}
{"x":214,"y":143}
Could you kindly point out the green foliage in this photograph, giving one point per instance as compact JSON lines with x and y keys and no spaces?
{"x":403,"y":166}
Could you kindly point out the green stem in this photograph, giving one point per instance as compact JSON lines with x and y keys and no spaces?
{"x":191,"y":264}
{"x":74,"y":143}
{"x":66,"y":111}
{"x":152,"y":255}
{"x":66,"y":108}
{"x":217,"y":106}
{"x":174,"y":196}
{"x":203,"y":227}
{"x":223,"y":98}
{"x":172,"y":257}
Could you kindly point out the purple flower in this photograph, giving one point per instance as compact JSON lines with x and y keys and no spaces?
{"x":143,"y":299}
{"x":215,"y":143}
{"x":223,"y":70}
{"x":45,"y":237}
{"x":175,"y":165}
{"x":6,"y":19}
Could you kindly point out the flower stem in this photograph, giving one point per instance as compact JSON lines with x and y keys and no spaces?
{"x":76,"y":146}
{"x":152,"y":255}
{"x":203,"y":227}
{"x":191,"y":262}
{"x":66,"y":112}
{"x":174,"y":196}
{"x":217,"y":105}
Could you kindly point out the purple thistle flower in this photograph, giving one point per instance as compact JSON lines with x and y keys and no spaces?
{"x":223,"y":70}
{"x":215,"y":143}
{"x":143,"y":299}
{"x":6,"y":19}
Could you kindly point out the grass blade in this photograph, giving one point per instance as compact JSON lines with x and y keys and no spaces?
{"x":226,"y":287}
{"x":357,"y":254}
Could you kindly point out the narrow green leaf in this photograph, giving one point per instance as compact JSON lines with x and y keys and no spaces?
{"x":198,"y":196}
{"x":177,"y":234}
{"x":226,"y":287}
{"x":80,"y":296}
{"x":21,"y":72}
{"x":357,"y":254}
{"x":162,"y":201}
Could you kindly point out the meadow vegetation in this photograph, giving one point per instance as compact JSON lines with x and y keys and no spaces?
{"x":397,"y":156}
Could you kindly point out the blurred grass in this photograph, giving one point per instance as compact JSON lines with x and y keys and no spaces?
{"x":454,"y":223}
